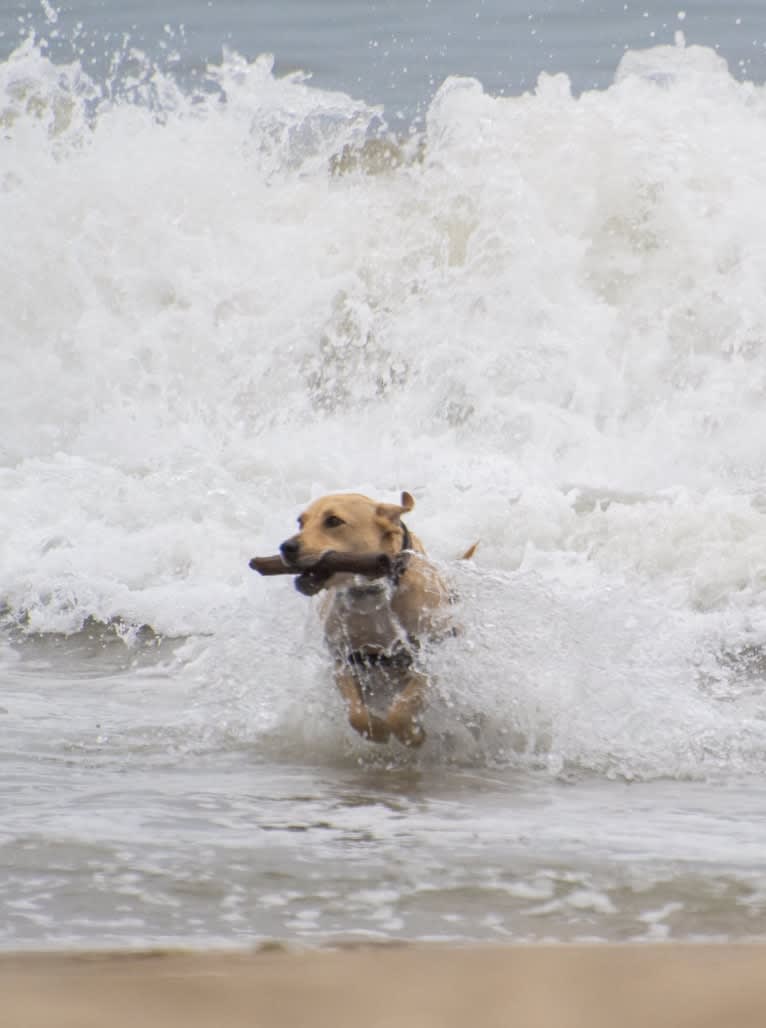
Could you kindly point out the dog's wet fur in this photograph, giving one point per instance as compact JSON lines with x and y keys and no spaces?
{"x":374,"y":628}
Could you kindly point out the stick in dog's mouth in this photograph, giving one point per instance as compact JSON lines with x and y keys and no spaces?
{"x":313,"y":575}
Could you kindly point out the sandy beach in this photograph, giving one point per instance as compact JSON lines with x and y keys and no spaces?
{"x":706,"y":986}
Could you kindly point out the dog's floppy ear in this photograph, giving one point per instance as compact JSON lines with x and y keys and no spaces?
{"x":392,"y":511}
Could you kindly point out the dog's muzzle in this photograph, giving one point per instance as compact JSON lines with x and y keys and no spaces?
{"x":290,"y":550}
{"x":310,"y":582}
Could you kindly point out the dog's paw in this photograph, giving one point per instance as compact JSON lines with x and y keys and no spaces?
{"x":369,"y":725}
{"x":406,"y":727}
{"x":413,"y":735}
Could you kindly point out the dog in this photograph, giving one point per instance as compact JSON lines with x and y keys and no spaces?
{"x":374,"y":629}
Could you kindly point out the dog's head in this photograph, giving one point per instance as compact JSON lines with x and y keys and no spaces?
{"x":347,"y":523}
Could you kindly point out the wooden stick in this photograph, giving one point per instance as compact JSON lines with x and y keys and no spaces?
{"x":373,"y":565}
{"x":272,"y":566}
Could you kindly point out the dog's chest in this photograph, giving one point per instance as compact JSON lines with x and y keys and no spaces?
{"x":359,"y":617}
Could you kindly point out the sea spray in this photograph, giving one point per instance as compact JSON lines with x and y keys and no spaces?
{"x":545,"y":318}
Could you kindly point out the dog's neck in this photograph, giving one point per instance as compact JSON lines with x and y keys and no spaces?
{"x":406,"y":538}
{"x":400,"y":560}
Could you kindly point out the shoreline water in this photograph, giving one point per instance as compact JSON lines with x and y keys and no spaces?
{"x":552,"y":330}
{"x":678,"y":986}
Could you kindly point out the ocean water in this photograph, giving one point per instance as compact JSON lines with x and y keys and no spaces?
{"x":536,"y":305}
{"x":394,"y":53}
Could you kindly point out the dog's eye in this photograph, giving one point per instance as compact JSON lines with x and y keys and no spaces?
{"x":333,"y":521}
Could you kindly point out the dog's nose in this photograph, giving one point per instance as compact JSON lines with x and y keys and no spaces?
{"x":290,"y":549}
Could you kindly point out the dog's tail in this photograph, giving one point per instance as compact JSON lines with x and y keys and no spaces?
{"x":468,"y":555}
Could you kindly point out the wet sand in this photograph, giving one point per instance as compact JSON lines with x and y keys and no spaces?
{"x":678,"y":986}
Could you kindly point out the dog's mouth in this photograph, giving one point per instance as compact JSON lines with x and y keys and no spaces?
{"x":311,"y":582}
{"x":299,"y":560}
{"x":313,"y":572}
{"x":313,"y":576}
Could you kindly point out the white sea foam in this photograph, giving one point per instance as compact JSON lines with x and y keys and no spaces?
{"x":548,"y":323}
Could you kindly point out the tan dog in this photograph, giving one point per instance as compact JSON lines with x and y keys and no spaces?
{"x":374,"y":628}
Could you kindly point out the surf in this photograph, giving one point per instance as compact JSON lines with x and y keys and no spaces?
{"x":541,"y":314}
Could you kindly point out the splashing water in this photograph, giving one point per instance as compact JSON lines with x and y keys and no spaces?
{"x":544,"y":317}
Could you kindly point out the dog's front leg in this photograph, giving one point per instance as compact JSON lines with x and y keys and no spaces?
{"x":402,"y":716}
{"x":361,"y":719}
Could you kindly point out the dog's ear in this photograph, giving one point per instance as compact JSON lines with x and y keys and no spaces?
{"x":392,"y":511}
